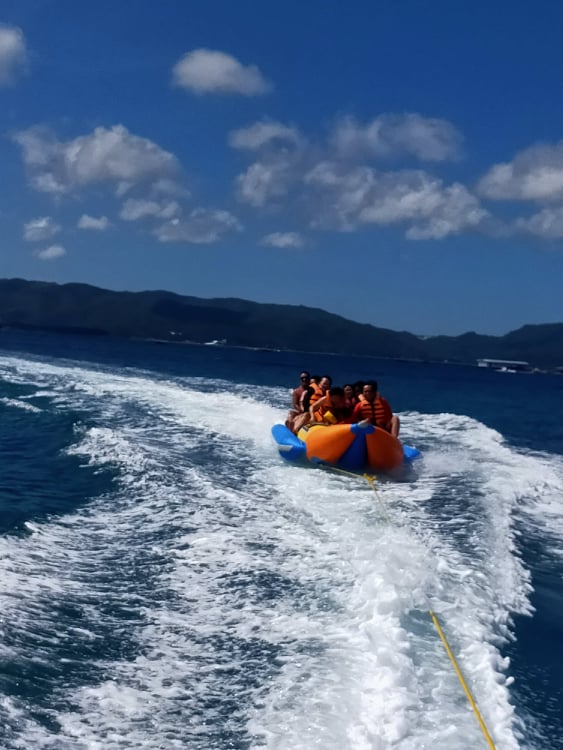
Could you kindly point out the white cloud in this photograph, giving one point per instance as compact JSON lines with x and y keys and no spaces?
{"x":107,"y":155}
{"x":348,"y":198}
{"x":211,"y":71}
{"x":135,"y":209}
{"x":450,"y":210}
{"x":166,"y":186}
{"x":547,"y":223}
{"x":336,"y":194}
{"x":13,"y":54}
{"x":40,"y":229}
{"x":260,"y":134}
{"x":201,"y":227}
{"x":341,"y":192}
{"x":264,"y":181}
{"x":283,"y":239}
{"x":91,"y":222}
{"x":534,"y":174}
{"x":332,"y":182}
{"x":411,"y":134}
{"x":50,"y":253}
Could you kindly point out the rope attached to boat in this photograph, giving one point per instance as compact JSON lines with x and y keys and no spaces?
{"x":461,"y":678}
{"x":371,"y":479}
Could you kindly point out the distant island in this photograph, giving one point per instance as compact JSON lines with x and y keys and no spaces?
{"x":164,"y":316}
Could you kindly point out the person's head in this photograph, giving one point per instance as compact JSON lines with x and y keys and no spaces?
{"x":316,"y":379}
{"x":359,"y":387}
{"x":349,"y":392}
{"x":325,"y":382}
{"x":337,"y":397}
{"x":305,"y":378}
{"x":370,"y":390}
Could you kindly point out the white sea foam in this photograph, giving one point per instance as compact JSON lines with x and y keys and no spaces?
{"x":282,"y":607}
{"x":18,"y":404}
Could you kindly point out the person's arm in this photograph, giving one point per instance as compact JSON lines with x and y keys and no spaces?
{"x":317,"y":405}
{"x":296,"y":400}
{"x":305,"y":398}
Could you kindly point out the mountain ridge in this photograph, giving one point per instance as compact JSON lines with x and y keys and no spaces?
{"x":159,"y":314}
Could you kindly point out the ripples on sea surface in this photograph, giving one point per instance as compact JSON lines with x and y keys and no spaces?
{"x":167,"y":582}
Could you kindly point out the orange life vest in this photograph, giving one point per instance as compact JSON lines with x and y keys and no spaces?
{"x":321,"y":411}
{"x":377,"y":411}
{"x":317,"y":393}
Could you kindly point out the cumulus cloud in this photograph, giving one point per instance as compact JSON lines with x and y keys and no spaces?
{"x":347,"y":198}
{"x":340,"y":189}
{"x":337,"y":194}
{"x":388,"y":135}
{"x":260,"y":134}
{"x":107,"y":155}
{"x":91,"y":222}
{"x":13,"y":54}
{"x":206,"y":71}
{"x":265,"y":181}
{"x":166,"y":186}
{"x":50,"y":253}
{"x":534,"y":174}
{"x":40,"y":229}
{"x":135,"y":209}
{"x":283,"y":239}
{"x":201,"y":227}
{"x":547,"y":223}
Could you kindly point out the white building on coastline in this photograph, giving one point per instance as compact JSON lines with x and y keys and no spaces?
{"x":504,"y":365}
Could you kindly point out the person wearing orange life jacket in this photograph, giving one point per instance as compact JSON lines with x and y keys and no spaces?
{"x":376,"y":410}
{"x":313,"y":394}
{"x":317,"y":389}
{"x":332,"y":408}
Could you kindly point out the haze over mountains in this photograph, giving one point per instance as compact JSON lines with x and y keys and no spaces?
{"x":81,"y":308}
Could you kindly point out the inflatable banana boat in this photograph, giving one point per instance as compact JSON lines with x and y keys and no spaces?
{"x":352,"y":447}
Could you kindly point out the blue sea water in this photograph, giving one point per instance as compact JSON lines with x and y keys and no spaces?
{"x":168,"y":582}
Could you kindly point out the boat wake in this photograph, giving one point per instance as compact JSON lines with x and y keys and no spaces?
{"x":213,"y":596}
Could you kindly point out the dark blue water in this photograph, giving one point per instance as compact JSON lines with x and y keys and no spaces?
{"x":169,"y":583}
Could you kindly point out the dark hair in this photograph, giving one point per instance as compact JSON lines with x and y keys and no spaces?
{"x":304,"y":374}
{"x":336,"y":391}
{"x":373,"y":384}
{"x":328,"y":378}
{"x":315,"y":378}
{"x":348,"y":385}
{"x":358,"y":386}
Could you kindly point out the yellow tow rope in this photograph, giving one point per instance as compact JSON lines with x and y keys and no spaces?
{"x":461,"y":678}
{"x":371,"y":479}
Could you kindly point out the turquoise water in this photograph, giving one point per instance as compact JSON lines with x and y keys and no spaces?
{"x":168,"y":582}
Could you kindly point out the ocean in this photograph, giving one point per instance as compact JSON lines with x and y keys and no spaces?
{"x":168,"y":582}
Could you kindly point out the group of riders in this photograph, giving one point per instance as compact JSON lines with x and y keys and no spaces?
{"x":316,"y":401}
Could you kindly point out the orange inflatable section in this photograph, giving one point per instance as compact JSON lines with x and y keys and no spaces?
{"x":384,"y":451}
{"x":329,"y":443}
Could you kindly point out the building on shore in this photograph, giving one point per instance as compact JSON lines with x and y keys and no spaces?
{"x":505,"y":365}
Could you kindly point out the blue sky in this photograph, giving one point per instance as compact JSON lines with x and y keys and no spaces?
{"x":398,"y":163}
